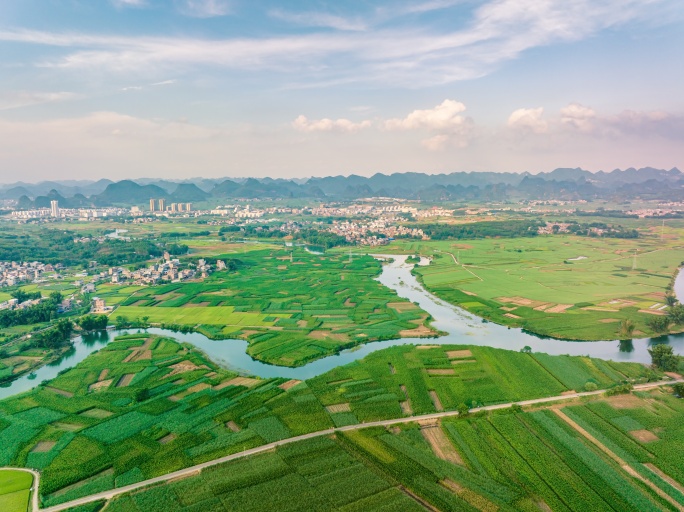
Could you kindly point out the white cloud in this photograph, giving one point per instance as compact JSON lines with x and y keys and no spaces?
{"x":205,"y":8}
{"x":528,"y":120}
{"x":12,"y":100}
{"x":444,"y":116}
{"x":578,"y":116}
{"x":164,"y":82}
{"x":303,"y":124}
{"x":319,"y":19}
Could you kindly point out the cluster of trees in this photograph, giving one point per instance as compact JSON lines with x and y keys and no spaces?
{"x":311,"y":236}
{"x":54,"y":337}
{"x":52,"y":246}
{"x":609,"y":231}
{"x":23,"y":296}
{"x":503,"y":229}
{"x":664,"y":358}
{"x":178,"y":234}
{"x":93,"y":322}
{"x":41,"y":312}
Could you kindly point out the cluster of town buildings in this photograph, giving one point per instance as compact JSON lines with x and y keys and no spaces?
{"x":168,"y":270}
{"x":160,"y":206}
{"x":13,"y":272}
{"x":375,"y":232}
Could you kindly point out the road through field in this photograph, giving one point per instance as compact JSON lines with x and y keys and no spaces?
{"x":193,"y":470}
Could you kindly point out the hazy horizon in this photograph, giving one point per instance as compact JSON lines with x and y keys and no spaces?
{"x":228,"y":88}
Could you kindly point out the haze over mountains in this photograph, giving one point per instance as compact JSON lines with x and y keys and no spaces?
{"x":562,"y":184}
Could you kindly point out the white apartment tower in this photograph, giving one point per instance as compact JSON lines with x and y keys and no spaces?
{"x":54,"y":208}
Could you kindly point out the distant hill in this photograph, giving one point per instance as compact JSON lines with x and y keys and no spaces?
{"x":561,"y":183}
{"x":128,"y":192}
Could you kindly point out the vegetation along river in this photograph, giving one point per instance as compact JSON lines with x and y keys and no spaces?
{"x":463,"y":328}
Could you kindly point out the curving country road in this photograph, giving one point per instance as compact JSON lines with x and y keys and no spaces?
{"x":107,"y":495}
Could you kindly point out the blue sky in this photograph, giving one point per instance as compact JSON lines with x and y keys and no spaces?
{"x":181,"y":88}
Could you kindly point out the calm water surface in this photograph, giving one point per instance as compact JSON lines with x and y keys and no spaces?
{"x":462,"y":328}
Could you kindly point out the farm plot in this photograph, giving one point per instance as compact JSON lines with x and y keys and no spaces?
{"x":541,"y":285}
{"x":290,"y":312}
{"x":15,"y":490}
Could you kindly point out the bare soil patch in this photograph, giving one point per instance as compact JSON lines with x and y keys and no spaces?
{"x":167,"y":438}
{"x":406,"y":404}
{"x":196,"y":304}
{"x":348,"y":303}
{"x":440,"y":443}
{"x":232,"y":426}
{"x":608,"y":320}
{"x":141,"y":353}
{"x":44,"y":446}
{"x":644,"y":436}
{"x":426,"y":347}
{"x":559,"y":308}
{"x":440,"y":371}
{"x":463,"y":361}
{"x":464,"y":247}
{"x":289,"y":384}
{"x":338,"y":408}
{"x":625,"y":402}
{"x":103,"y":384}
{"x":125,"y":380}
{"x":652,"y":312}
{"x":323,"y":335}
{"x":238,"y":381}
{"x":511,"y":315}
{"x":544,"y":306}
{"x":436,"y":401}
{"x":103,"y":374}
{"x":469,"y":293}
{"x":459,"y":354}
{"x":184,"y":366}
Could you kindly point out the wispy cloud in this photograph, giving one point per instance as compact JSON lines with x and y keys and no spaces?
{"x":498,"y":31}
{"x":528,"y":120}
{"x":205,"y":8}
{"x":319,"y":19}
{"x":12,"y":100}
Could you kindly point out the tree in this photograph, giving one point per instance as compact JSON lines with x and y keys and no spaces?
{"x":463,"y":410}
{"x":670,"y":299}
{"x":676,"y":313}
{"x":658,"y":324}
{"x":626,"y":328}
{"x":679,"y":389}
{"x":664,"y":358}
{"x":526,"y":350}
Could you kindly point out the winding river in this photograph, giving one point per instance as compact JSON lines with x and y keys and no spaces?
{"x":463,"y":328}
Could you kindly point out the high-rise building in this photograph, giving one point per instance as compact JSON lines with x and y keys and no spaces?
{"x":54,"y":208}
{"x":162,"y":205}
{"x":174,"y":208}
{"x":181,"y":207}
{"x":152,"y":201}
{"x":188,"y":207}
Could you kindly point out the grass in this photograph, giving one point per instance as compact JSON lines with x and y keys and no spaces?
{"x":599,"y":291}
{"x":290,"y":312}
{"x":15,"y":490}
{"x":181,"y":409}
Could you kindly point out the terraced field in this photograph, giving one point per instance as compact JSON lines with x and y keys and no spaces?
{"x":291,"y":310}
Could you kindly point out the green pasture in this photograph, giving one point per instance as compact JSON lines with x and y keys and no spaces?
{"x":291,"y":306}
{"x":144,"y":406}
{"x":15,"y":490}
{"x":598,"y":291}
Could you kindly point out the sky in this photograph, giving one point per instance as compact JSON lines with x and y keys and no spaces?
{"x":237,"y":88}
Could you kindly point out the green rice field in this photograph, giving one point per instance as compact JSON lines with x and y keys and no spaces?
{"x":15,"y":490}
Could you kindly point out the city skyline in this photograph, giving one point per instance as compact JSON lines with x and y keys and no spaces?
{"x":213,"y":88}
